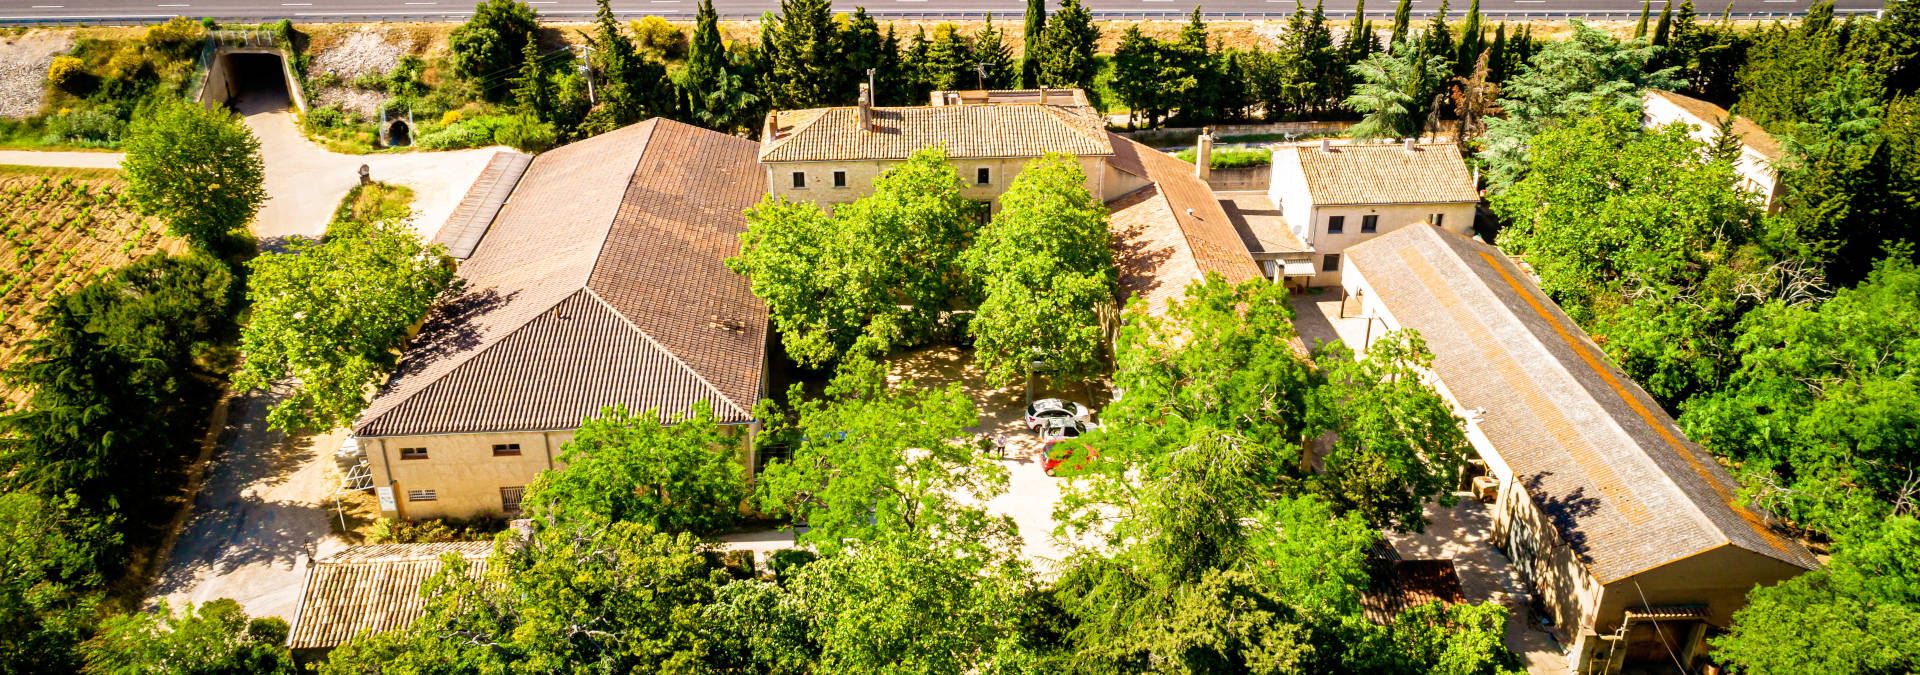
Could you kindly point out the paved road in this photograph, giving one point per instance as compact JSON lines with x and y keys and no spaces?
{"x":354,"y":10}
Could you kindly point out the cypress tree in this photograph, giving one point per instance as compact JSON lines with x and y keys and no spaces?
{"x":1067,"y":48}
{"x":1438,"y":40}
{"x":1360,"y":38}
{"x":531,"y":94}
{"x":1030,"y":46}
{"x":803,"y":54}
{"x":1646,"y":8}
{"x":1663,"y":30}
{"x":861,"y":47}
{"x":1497,"y":55}
{"x":1402,"y":19}
{"x":1472,"y":41}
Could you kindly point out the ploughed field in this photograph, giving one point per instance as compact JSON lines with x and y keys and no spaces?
{"x":58,"y":228}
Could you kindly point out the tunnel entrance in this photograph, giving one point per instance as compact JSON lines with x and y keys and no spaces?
{"x":399,"y":134}
{"x":259,"y":82}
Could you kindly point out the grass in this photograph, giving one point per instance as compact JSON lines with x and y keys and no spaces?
{"x":1232,"y":158}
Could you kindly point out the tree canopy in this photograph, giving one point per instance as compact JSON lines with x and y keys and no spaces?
{"x":195,"y":168}
{"x":683,"y":476}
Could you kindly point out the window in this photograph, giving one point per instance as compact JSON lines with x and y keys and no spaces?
{"x":413,"y":453}
{"x":1369,"y":224}
{"x":510,"y":499}
{"x":983,"y":176}
{"x":799,"y":180}
{"x":839,"y":179}
{"x":1437,"y":219}
{"x":1336,"y":224}
{"x":422,"y":495}
{"x":1330,"y":263}
{"x":506,"y":449}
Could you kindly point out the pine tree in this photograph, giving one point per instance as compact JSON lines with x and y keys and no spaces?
{"x":1497,"y":66}
{"x":1139,"y":80}
{"x":1646,"y":9}
{"x":716,"y":92}
{"x":531,"y":93}
{"x":894,"y":80}
{"x":1321,"y":64}
{"x":803,"y":56}
{"x":1663,"y":30}
{"x":1191,"y":64}
{"x":991,"y":51}
{"x":1402,"y":20}
{"x":950,"y":63}
{"x":916,"y":67}
{"x":1031,"y":45}
{"x":1438,"y":40}
{"x":861,"y":48}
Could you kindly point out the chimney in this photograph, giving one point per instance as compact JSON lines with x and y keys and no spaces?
{"x":1412,"y":145}
{"x":1326,"y":145}
{"x":1203,"y":155}
{"x":866,"y":107}
{"x":1043,"y":96}
{"x":773,"y":127}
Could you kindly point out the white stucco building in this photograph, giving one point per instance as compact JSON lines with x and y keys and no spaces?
{"x":1336,"y":195}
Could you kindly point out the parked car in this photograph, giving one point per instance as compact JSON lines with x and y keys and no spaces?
{"x":1053,"y":437}
{"x":1039,"y":412}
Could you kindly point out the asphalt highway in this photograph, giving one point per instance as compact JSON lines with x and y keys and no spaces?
{"x":138,"y":11}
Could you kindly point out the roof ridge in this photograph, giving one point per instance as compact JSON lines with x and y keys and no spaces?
{"x":670,"y":353}
{"x":468,"y":359}
{"x":1059,"y":112}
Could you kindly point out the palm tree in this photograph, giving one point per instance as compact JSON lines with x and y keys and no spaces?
{"x":1395,"y":92}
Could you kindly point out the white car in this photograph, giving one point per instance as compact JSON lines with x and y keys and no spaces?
{"x":1046,"y":410}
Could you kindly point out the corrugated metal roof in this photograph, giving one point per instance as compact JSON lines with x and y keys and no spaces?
{"x":1367,"y":173}
{"x":372,"y":588}
{"x":1612,"y":471}
{"x":602,"y":282}
{"x":966,"y":131}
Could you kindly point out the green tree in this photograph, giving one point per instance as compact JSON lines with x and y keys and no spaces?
{"x":1067,"y":57}
{"x":680,"y":476}
{"x":990,"y":51}
{"x":1460,"y":639}
{"x":631,"y":88}
{"x":716,"y":90}
{"x":881,"y":271}
{"x":1640,"y":27}
{"x":1142,"y":80}
{"x":1437,"y":40}
{"x":874,"y":462}
{"x":1664,"y":28}
{"x":532,"y":89}
{"x":803,"y":54}
{"x":1473,"y":41}
{"x":492,"y":44}
{"x":1402,"y":21}
{"x":759,"y":627}
{"x":1395,"y":92}
{"x":50,"y":595}
{"x":1032,"y":43}
{"x":1821,"y":407}
{"x":1842,"y":188}
{"x":109,"y":378}
{"x":905,"y":605}
{"x":1395,"y":443}
{"x":214,"y":639}
{"x":1044,"y":269}
{"x":1568,"y":79}
{"x":332,"y":315}
{"x":199,"y":170}
{"x":1858,"y":615}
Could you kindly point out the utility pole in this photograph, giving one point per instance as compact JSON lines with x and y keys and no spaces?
{"x":981,"y":68}
{"x":873,"y":89}
{"x":586,"y":66}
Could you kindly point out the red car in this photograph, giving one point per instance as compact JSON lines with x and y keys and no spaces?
{"x":1056,"y":431}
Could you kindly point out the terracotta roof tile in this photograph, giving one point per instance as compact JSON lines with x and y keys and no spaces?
{"x":602,"y":282}
{"x":1612,"y":471}
{"x":1751,"y":133}
{"x":1358,"y":173}
{"x":967,"y":131}
{"x":372,"y":589}
{"x":1211,"y":237}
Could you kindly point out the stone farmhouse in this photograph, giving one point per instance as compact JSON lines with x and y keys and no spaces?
{"x":601,"y":282}
{"x":1759,"y":151}
{"x":1631,"y":536}
{"x":1337,"y":195}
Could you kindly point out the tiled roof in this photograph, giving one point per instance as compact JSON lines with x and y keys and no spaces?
{"x":602,"y":282}
{"x":967,"y":132}
{"x":371,"y":588}
{"x":1751,"y":133}
{"x":1624,"y":487}
{"x":468,"y":223}
{"x":1357,"y":173}
{"x":1211,"y":237}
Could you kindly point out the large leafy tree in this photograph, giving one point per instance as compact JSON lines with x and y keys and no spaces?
{"x":332,"y":315}
{"x":108,"y":380}
{"x":195,"y":168}
{"x":1044,"y":270}
{"x":50,"y":595}
{"x":683,"y":476}
{"x":1567,"y":80}
{"x":1858,"y":615}
{"x":1823,"y":407}
{"x":1643,"y":239}
{"x":880,"y":271}
{"x":875,"y":461}
{"x":1394,"y":442}
{"x":215,"y":638}
{"x":491,"y":44}
{"x":1142,"y":78}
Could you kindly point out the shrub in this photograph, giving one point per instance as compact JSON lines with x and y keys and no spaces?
{"x":432,"y":531}
{"x":179,"y":36}
{"x":322,"y":118}
{"x":786,"y":561}
{"x":68,"y":73}
{"x":473,"y":133}
{"x":449,"y":118}
{"x":525,"y":133}
{"x":656,"y":39}
{"x":1232,"y":158}
{"x":86,"y":127}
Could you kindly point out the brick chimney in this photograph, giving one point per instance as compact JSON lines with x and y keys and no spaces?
{"x":866,"y":107}
{"x":1412,"y":144}
{"x":1203,"y":154}
{"x":1043,"y":96}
